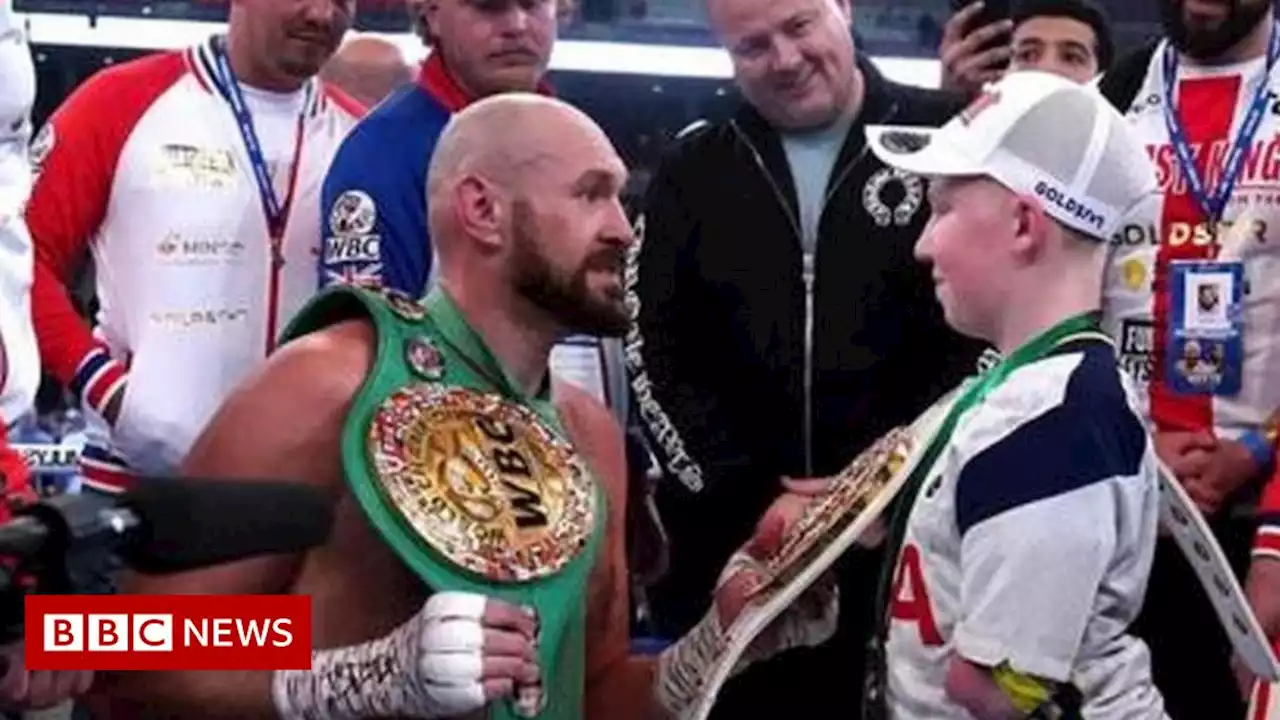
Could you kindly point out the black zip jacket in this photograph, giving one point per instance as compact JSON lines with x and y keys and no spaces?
{"x":751,"y":361}
{"x":1122,"y":81}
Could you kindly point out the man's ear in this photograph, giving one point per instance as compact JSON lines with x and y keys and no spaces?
{"x":480,"y":209}
{"x":1033,"y":228}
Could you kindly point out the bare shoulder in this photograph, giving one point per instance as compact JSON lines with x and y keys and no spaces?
{"x":598,"y":437}
{"x":283,"y":423}
{"x":584,"y":407}
{"x":328,"y":365}
{"x":289,"y":414}
{"x":594,"y":429}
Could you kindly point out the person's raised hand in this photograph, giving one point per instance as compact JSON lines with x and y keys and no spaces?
{"x":966,"y":66}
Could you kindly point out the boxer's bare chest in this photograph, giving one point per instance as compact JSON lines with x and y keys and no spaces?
{"x":360,"y":589}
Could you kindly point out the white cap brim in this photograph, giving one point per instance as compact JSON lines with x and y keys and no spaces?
{"x":921,"y":151}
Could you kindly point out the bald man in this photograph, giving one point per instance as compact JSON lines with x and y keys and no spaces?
{"x":477,"y":561}
{"x":368,"y":69}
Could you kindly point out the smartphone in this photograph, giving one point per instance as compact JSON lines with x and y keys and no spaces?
{"x":992,"y":11}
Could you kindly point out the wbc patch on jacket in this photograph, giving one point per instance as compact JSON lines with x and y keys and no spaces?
{"x":352,"y":221}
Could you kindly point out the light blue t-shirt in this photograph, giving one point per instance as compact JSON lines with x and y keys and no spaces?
{"x":812,"y":155}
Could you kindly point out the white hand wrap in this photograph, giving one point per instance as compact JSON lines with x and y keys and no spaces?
{"x":683,"y":668}
{"x":810,"y":621}
{"x":429,"y":667}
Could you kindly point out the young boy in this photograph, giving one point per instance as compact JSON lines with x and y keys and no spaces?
{"x":1026,"y":550}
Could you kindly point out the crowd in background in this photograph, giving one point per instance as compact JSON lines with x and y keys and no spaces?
{"x":642,"y":115}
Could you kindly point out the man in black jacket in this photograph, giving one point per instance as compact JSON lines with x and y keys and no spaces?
{"x":781,"y":322}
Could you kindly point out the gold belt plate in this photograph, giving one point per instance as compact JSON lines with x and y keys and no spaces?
{"x":853,"y":489}
{"x":483,"y":481}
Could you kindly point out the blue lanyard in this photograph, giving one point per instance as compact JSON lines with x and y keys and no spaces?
{"x":1213,"y":205}
{"x":276,"y":210}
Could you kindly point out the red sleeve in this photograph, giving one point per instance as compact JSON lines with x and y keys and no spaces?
{"x":15,"y":478}
{"x":75,"y":157}
{"x":1266,"y":543}
{"x":345,"y":102}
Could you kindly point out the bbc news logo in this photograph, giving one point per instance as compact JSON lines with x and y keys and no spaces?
{"x":141,"y":632}
{"x":168,"y":632}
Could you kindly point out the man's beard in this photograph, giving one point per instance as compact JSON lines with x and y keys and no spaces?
{"x":1208,"y":44}
{"x":565,"y":297}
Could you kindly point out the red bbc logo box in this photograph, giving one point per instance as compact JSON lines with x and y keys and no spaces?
{"x":168,"y":632}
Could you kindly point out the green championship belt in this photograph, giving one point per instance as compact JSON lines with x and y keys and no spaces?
{"x":475,"y":487}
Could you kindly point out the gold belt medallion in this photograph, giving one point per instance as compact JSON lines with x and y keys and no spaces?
{"x":483,"y":481}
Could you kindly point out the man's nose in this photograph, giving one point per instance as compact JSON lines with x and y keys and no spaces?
{"x":515,"y":21}
{"x":786,"y":56}
{"x":924,"y":245}
{"x":619,"y":229}
{"x":320,"y":11}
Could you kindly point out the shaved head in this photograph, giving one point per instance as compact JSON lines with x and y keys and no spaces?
{"x":368,"y":69}
{"x":525,"y":189}
{"x":507,"y":139}
{"x":505,"y":129}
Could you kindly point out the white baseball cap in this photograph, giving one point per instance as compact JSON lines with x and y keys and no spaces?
{"x":1037,"y":134}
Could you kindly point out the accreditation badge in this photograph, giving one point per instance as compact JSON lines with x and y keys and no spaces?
{"x":1204,"y":351}
{"x":483,"y":481}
